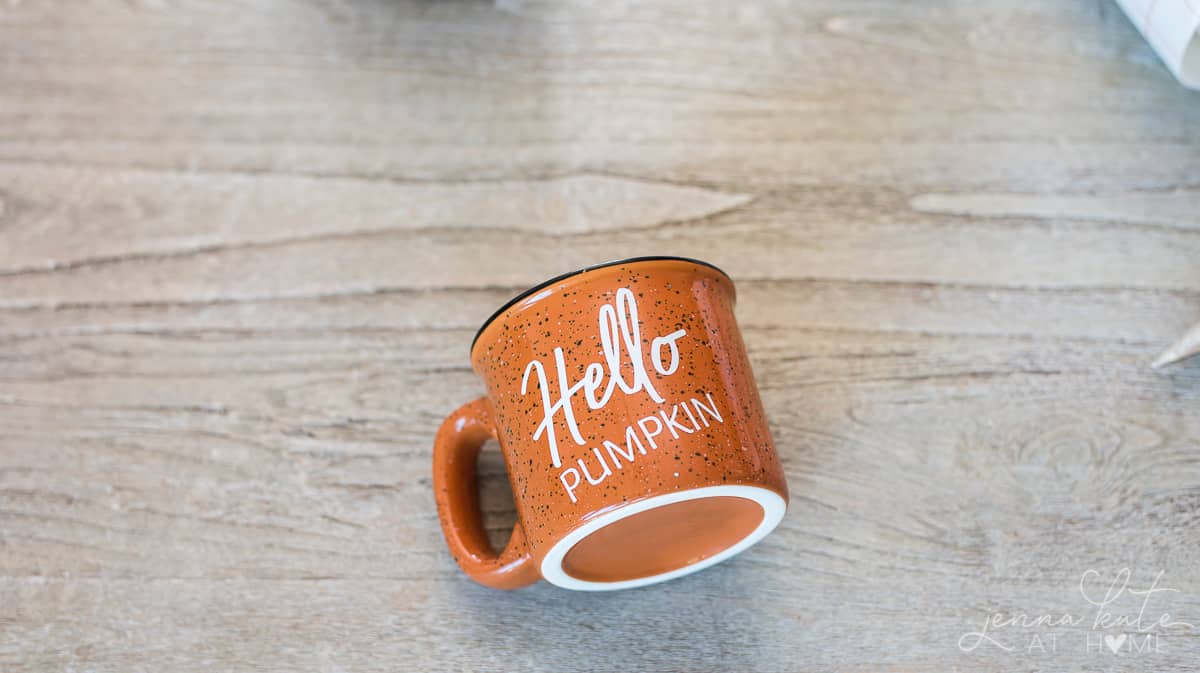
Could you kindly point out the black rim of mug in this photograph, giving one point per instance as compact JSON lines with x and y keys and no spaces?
{"x":557,"y":279}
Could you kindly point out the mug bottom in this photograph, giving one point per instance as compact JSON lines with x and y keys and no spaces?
{"x":663,"y":537}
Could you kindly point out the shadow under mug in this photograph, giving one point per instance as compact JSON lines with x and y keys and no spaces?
{"x":631,"y":427}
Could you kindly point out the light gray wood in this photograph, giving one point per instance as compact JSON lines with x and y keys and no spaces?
{"x":244,"y":247}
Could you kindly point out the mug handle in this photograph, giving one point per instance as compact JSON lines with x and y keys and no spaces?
{"x":455,"y":450}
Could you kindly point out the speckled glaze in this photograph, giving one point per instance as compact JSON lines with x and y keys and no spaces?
{"x":673,"y":315}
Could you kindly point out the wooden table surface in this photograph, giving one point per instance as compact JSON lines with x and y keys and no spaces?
{"x":244,"y":247}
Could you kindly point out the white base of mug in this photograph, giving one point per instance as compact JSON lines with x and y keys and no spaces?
{"x":772,"y":504}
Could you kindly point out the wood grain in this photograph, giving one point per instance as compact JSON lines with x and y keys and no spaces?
{"x":244,"y":247}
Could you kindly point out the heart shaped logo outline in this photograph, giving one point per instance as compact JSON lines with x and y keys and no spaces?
{"x":1114,"y":643}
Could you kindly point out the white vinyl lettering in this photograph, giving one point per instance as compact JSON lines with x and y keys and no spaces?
{"x":620,"y":338}
{"x":622,"y":364}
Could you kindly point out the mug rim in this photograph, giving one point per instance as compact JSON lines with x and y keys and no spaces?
{"x":594,"y":267}
{"x":774,"y":507}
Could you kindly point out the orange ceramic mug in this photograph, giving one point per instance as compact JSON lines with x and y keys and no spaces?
{"x":631,"y":427}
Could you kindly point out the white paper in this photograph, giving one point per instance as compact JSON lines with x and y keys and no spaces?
{"x":1170,"y":27}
